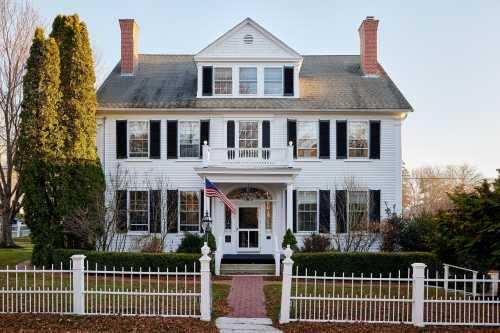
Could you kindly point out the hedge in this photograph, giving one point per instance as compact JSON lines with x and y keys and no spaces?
{"x":128,"y":260}
{"x":362,"y":262}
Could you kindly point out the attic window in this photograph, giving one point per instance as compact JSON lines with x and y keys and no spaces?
{"x":248,"y":39}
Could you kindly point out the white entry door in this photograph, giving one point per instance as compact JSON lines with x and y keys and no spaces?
{"x":248,"y":228}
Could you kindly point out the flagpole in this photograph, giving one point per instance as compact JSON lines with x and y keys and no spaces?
{"x":205,"y":198}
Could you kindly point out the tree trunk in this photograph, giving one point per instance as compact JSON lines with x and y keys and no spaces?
{"x":6,"y":239}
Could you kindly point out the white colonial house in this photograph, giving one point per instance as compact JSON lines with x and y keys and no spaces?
{"x":284,"y":135}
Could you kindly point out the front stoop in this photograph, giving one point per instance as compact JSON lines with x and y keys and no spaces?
{"x":247,"y":269}
{"x":241,"y":325}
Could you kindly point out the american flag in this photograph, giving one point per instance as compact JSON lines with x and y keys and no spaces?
{"x":211,"y":190}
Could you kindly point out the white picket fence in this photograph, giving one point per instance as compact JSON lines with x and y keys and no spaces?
{"x":108,"y":291}
{"x":412,"y":297}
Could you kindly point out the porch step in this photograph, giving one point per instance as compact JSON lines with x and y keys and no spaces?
{"x":255,"y":269}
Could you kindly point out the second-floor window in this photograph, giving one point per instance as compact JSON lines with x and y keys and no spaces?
{"x":248,"y":81}
{"x":273,"y":81}
{"x":138,"y":138}
{"x":189,"y":211}
{"x":223,"y":81}
{"x":307,"y":139}
{"x":358,"y":138}
{"x":189,"y":138}
{"x":249,"y":137}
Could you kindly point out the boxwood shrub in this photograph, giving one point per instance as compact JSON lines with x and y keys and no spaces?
{"x":362,"y":262}
{"x":128,"y":260}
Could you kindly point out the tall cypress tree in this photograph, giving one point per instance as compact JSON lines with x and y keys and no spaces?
{"x":84,"y":176}
{"x":40,"y":147}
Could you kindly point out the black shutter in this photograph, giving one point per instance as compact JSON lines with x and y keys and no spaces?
{"x":341,"y":139}
{"x":207,"y":80}
{"x":292,"y":135}
{"x":121,"y":139}
{"x":172,"y":139}
{"x":341,"y":210}
{"x":172,"y":217}
{"x":204,"y":134}
{"x":374,"y":206}
{"x":266,"y":134}
{"x":375,"y":139}
{"x":288,"y":81}
{"x":294,"y":210}
{"x":121,"y":211}
{"x":155,"y":211}
{"x":154,"y":138}
{"x":324,"y":139}
{"x":324,"y":211}
{"x":230,"y":134}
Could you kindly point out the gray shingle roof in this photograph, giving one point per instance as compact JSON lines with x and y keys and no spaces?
{"x":327,"y":82}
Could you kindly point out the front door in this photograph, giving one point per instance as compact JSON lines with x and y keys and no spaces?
{"x":248,"y":228}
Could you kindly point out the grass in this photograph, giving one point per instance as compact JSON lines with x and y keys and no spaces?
{"x":12,"y":257}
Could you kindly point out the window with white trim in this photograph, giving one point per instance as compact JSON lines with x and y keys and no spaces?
{"x":138,"y":138}
{"x":307,"y":139}
{"x":358,"y":139}
{"x":273,"y":81}
{"x":189,"y":138}
{"x":138,"y":210}
{"x":223,"y":80}
{"x":248,"y":80}
{"x":307,"y":211}
{"x":357,"y":211}
{"x":189,"y":211}
{"x":249,"y":134}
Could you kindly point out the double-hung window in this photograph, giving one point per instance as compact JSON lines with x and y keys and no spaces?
{"x":273,"y":81}
{"x":138,"y":211}
{"x":249,"y":134}
{"x":223,"y":81}
{"x":248,"y":81}
{"x":189,"y":138}
{"x":189,"y":211}
{"x":138,"y":139}
{"x":307,"y":211}
{"x":307,"y":139}
{"x":358,"y":139}
{"x":357,"y":208}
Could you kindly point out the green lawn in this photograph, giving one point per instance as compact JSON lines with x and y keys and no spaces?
{"x":12,"y":257}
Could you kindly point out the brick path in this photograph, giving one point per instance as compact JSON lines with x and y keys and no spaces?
{"x":247,"y":297}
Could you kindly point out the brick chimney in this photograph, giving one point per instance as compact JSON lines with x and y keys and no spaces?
{"x":368,"y":53}
{"x":129,"y":45}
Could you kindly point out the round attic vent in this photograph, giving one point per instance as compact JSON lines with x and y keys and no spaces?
{"x":248,"y":39}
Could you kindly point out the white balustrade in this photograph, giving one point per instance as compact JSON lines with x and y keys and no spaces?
{"x":247,"y":156}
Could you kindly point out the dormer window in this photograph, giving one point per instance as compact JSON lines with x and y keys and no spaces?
{"x":223,"y":81}
{"x":273,"y":81}
{"x":248,"y":80}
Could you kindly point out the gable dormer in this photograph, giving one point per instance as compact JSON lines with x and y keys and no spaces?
{"x":248,"y":62}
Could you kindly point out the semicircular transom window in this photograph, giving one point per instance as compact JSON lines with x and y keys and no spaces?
{"x":249,"y":193}
{"x":248,"y":39}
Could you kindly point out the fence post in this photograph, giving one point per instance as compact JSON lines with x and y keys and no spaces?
{"x":418,"y":291}
{"x":78,"y":261}
{"x":474,"y":284}
{"x":286,"y":290}
{"x":446,"y":275}
{"x":494,"y":276}
{"x":205,"y":297}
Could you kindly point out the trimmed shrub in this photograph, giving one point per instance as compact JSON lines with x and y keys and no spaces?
{"x":192,"y":243}
{"x":289,"y":239}
{"x":316,"y":243}
{"x":128,"y":260}
{"x":363,"y":262}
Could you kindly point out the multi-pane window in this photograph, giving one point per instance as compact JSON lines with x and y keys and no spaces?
{"x":189,"y":211}
{"x":189,"y":138}
{"x":249,"y":134}
{"x":307,"y":139}
{"x":273,"y":81}
{"x":223,"y":81}
{"x":307,"y":211}
{"x":358,"y":208}
{"x":358,"y":139}
{"x":138,"y":138}
{"x":248,"y":81}
{"x":138,"y":211}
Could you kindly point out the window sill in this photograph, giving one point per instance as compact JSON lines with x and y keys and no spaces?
{"x":308,"y":160}
{"x":358,"y":160}
{"x":188,"y":159}
{"x":134,"y":159}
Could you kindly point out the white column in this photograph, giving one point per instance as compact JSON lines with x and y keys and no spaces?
{"x":418,"y":289}
{"x":78,"y":283}
{"x":289,"y":206}
{"x":286,"y":290}
{"x":206,"y":295}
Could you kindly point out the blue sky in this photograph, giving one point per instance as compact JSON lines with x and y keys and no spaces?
{"x":443,"y":55}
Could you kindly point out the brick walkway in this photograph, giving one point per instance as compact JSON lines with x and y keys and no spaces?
{"x":247,"y":297}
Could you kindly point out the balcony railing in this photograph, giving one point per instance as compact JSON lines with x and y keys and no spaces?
{"x":248,"y":156}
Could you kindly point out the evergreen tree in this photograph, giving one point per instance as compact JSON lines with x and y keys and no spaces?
{"x":40,"y":146}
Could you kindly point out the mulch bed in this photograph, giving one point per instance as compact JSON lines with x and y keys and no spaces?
{"x":27,"y":323}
